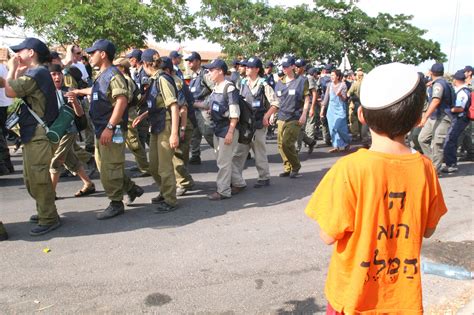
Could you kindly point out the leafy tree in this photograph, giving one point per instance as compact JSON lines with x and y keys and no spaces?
{"x":9,"y":11}
{"x":325,"y":33}
{"x":125,"y":22}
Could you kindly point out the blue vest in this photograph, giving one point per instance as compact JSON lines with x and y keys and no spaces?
{"x":45,"y":84}
{"x":189,"y":102}
{"x":101,"y":109}
{"x":198,"y":88}
{"x":156,"y":114}
{"x":270,"y":80}
{"x":446,"y":100}
{"x":291,"y":96}
{"x":256,"y":100}
{"x":219,"y":105}
{"x":137,"y":77}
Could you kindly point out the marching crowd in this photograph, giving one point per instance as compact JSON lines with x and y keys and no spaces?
{"x":144,"y":100}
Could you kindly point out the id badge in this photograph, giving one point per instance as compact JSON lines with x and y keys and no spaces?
{"x":95,"y":96}
{"x":215,"y":107}
{"x":256,"y":104}
{"x":193,"y":89}
{"x":292,"y":92}
{"x":279,"y":93}
{"x":149,"y":103}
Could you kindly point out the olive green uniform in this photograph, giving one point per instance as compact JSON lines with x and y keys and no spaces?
{"x":288,"y":132}
{"x":132,"y":140}
{"x":37,"y":154}
{"x":161,"y":154}
{"x":110,"y":159}
{"x":181,"y":153}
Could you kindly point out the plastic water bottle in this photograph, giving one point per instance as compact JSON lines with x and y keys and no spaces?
{"x":448,"y":271}
{"x":118,"y":136}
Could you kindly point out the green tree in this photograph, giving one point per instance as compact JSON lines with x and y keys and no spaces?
{"x":125,"y":22}
{"x":9,"y":11}
{"x":324,"y":33}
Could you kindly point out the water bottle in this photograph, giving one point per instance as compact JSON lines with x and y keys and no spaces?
{"x":118,"y":136}
{"x":448,"y":271}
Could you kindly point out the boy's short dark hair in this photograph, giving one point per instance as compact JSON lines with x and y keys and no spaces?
{"x":399,"y":118}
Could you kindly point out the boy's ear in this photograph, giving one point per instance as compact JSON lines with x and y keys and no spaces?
{"x":360,"y":116}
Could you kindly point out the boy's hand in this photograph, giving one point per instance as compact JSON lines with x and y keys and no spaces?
{"x":329,"y":240}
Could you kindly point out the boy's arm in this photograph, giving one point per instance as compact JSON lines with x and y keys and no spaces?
{"x":429,"y":232}
{"x":329,"y":240}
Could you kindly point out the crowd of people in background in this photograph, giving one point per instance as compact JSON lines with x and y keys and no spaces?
{"x":143,"y":100}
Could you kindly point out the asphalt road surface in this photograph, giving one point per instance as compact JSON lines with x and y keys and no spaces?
{"x":254,"y":253}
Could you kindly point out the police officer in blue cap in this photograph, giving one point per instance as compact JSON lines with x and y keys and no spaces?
{"x":109,"y":102}
{"x":201,"y":87}
{"x":176,"y":58}
{"x":437,"y":118}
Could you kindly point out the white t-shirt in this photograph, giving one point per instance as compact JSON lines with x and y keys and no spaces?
{"x":4,"y":100}
{"x":82,"y":67}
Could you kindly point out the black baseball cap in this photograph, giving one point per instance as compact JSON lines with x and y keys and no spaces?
{"x":467,"y":68}
{"x":217,"y":64}
{"x":102,"y":45}
{"x":193,"y":56}
{"x":136,"y":53}
{"x":166,"y":63}
{"x":55,"y":68}
{"x":32,"y":43}
{"x":269,"y":64}
{"x":300,"y":63}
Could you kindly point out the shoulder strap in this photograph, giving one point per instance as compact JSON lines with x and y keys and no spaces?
{"x":38,"y":119}
{"x":226,"y":87}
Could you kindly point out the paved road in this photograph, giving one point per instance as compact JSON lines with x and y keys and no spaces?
{"x":254,"y":253}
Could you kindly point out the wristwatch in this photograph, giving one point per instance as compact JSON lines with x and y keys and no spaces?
{"x":110,"y":126}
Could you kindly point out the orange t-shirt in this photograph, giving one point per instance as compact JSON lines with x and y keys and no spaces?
{"x":377,"y":206}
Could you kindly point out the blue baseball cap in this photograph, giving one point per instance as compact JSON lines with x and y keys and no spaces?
{"x":288,"y":61}
{"x":217,"y":64}
{"x":269,"y":64}
{"x":459,"y":75}
{"x":300,"y":62}
{"x":136,"y":53}
{"x":254,"y":62}
{"x":147,"y":55}
{"x":467,"y":68}
{"x":175,"y":54}
{"x":193,"y":56}
{"x":235,"y":62}
{"x":32,"y":43}
{"x":102,"y":45}
{"x":243,"y":62}
{"x":437,"y":67}
{"x":166,"y":63}
{"x":312,"y":71}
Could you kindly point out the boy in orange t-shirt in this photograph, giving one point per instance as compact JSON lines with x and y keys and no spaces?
{"x":376,"y":205}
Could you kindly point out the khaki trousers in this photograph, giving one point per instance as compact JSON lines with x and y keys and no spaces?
{"x":134,"y":145}
{"x":224,"y":154}
{"x":110,"y":162}
{"x":288,"y":132}
{"x":37,"y":155}
{"x":161,"y":164}
{"x":432,"y":137}
{"x":260,"y":153}
{"x":181,"y":158}
{"x":65,"y":155}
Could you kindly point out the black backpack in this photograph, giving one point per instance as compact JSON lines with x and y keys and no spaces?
{"x":246,"y":120}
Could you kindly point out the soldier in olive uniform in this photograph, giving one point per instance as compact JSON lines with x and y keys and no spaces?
{"x":132,"y":140}
{"x":109,"y":101}
{"x":163,"y":114}
{"x":184,"y":180}
{"x":293,"y":93}
{"x":28,"y":79}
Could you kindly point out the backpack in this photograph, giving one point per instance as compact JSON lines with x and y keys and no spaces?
{"x":246,"y":120}
{"x":470,"y":106}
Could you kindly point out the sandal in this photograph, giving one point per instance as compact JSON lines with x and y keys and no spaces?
{"x":85,"y":190}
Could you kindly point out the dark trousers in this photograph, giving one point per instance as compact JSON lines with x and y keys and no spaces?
{"x":458,"y":125}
